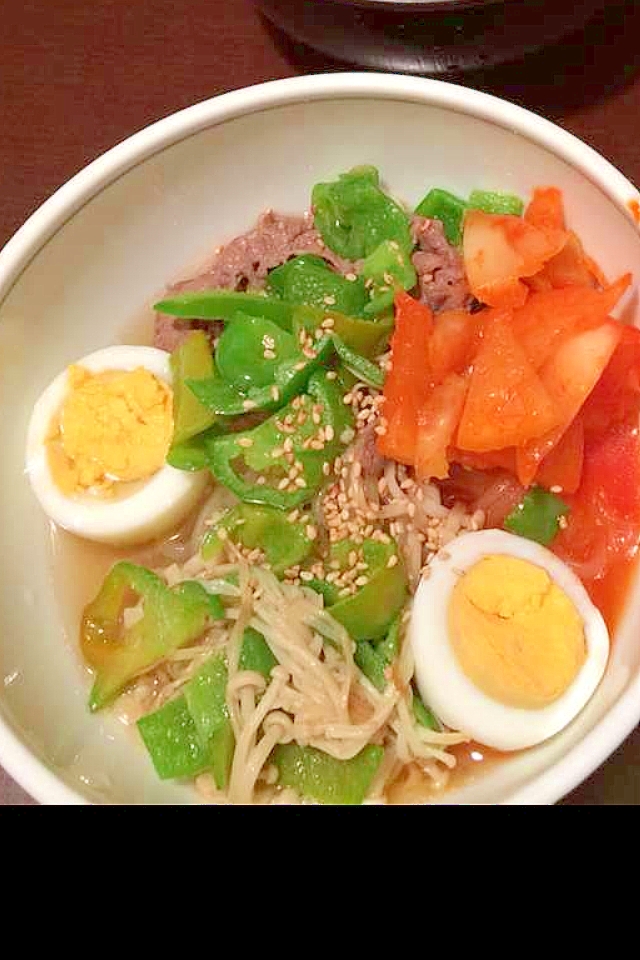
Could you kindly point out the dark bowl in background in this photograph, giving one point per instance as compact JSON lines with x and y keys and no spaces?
{"x":428,"y":37}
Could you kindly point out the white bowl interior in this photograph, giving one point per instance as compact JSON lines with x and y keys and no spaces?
{"x":83,"y":288}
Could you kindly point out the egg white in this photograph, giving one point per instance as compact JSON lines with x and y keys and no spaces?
{"x":151,"y":508}
{"x":442,"y":683}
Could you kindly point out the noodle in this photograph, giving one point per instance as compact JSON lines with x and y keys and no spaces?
{"x":316,"y":695}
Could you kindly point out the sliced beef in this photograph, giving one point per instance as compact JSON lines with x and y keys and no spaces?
{"x":244,"y":263}
{"x":441,"y":278}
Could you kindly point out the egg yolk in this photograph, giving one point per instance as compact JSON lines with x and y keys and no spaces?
{"x":516,"y":634}
{"x":114,"y":427}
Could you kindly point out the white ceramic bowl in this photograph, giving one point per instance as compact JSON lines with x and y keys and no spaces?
{"x":94,"y":254}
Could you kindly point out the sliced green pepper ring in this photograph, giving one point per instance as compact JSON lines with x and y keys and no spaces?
{"x":192,"y":455}
{"x":359,"y":366}
{"x":281,"y":462}
{"x":224,"y":304}
{"x":250,"y":349}
{"x":309,"y":280}
{"x":313,"y":773}
{"x":170,"y":618}
{"x":448,"y":209}
{"x":386,"y":269}
{"x":368,"y":613}
{"x":290,"y":377}
{"x":354,"y":215}
{"x":283,"y":541}
{"x":191,"y":359}
{"x":368,"y":337}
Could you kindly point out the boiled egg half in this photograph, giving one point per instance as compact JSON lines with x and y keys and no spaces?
{"x":96,"y":448}
{"x":508,"y":646}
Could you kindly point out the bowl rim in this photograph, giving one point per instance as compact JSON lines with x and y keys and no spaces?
{"x":568,"y":771}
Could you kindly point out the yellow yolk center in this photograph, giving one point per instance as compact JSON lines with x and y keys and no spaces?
{"x":515,"y":633}
{"x":114,"y":427}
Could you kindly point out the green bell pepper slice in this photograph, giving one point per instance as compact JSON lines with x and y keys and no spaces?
{"x":368,"y":613}
{"x":448,"y":208}
{"x":172,"y":741}
{"x":424,"y":715}
{"x":370,"y":373}
{"x":224,"y":304}
{"x":310,"y":281}
{"x":374,"y":658}
{"x":366,"y":336}
{"x":354,"y":215}
{"x":371,"y":663}
{"x":191,"y":359}
{"x":537,"y":516}
{"x":284,"y":542}
{"x":315,"y":774}
{"x":206,"y":698}
{"x":250,"y":349}
{"x":253,"y":464}
{"x":192,"y":733}
{"x":256,"y":654}
{"x":386,"y":269}
{"x":171,"y":617}
{"x":290,"y":377}
{"x":192,"y":455}
{"x":279,"y":277}
{"x":494,"y":202}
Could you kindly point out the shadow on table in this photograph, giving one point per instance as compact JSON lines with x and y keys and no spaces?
{"x":586,"y":66}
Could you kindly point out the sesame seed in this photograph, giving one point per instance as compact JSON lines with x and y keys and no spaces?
{"x":249,"y":404}
{"x":244,"y":441}
{"x":393,"y":560}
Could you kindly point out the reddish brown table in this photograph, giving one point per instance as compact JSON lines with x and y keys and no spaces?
{"x":78,"y":77}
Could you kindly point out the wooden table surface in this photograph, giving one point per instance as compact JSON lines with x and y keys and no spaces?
{"x":77,"y":77}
